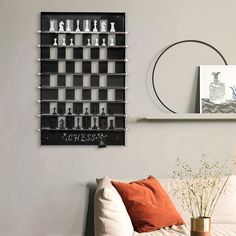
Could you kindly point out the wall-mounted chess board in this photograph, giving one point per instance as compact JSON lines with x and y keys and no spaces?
{"x":82,"y":78}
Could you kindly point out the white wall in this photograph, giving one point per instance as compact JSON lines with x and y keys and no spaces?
{"x":44,"y":191}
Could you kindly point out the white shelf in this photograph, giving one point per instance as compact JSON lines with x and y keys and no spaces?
{"x":190,"y":117}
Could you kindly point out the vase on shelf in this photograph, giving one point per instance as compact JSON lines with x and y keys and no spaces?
{"x":201,"y":226}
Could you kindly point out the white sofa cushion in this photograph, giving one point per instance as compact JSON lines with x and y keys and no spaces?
{"x":110,"y":215}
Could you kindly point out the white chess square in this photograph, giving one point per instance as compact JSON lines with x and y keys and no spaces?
{"x":78,"y":67}
{"x":61,"y":94}
{"x":53,"y":53}
{"x":53,"y":80}
{"x":78,"y":94}
{"x":103,"y":53}
{"x":69,"y":80}
{"x":111,"y":67}
{"x":69,"y":53}
{"x":94,"y":94}
{"x":61,"y":66}
{"x":86,"y":53}
{"x":111,"y":94}
{"x":94,"y":67}
{"x":103,"y":80}
{"x":86,"y":80}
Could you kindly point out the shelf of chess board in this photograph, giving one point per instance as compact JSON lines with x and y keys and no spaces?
{"x":80,"y":117}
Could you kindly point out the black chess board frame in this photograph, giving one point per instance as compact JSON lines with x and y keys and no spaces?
{"x":82,"y":78}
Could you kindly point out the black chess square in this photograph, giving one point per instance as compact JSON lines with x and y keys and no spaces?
{"x":78,"y":53}
{"x":70,"y":94}
{"x":86,"y":94}
{"x":78,"y":80}
{"x":94,"y":80}
{"x":61,"y":80}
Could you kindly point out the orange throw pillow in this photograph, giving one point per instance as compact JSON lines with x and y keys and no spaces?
{"x":148,"y":205}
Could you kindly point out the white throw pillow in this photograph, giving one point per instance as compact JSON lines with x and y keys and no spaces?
{"x":110,"y":215}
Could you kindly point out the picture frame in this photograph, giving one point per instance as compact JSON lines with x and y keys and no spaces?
{"x":218,"y":89}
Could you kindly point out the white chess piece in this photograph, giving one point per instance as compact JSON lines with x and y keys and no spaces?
{"x":96,"y":42}
{"x":52,"y":28}
{"x":104,"y":42}
{"x":77,"y":27}
{"x":103,"y":26}
{"x":86,"y":26}
{"x":61,"y":26}
{"x":112,"y":42}
{"x":55,"y":42}
{"x":68,"y":25}
{"x":71,"y":42}
{"x":112,"y":27}
{"x":64,"y":42}
{"x":89,"y":43}
{"x":95,"y":26}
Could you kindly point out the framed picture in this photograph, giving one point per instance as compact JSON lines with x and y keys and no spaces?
{"x":218,"y":89}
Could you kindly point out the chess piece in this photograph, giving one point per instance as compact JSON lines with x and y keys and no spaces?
{"x":86,"y":111}
{"x":61,"y":124}
{"x":111,"y":126}
{"x":61,"y":26}
{"x":89,"y":43}
{"x":112,"y":27}
{"x":112,"y":42}
{"x":86,"y":26}
{"x":69,"y":111}
{"x":103,"y":26}
{"x":78,"y":126}
{"x":94,"y":123}
{"x":103,"y":42}
{"x":55,"y":42}
{"x":101,"y":142}
{"x":52,"y":28}
{"x":68,"y":25}
{"x":77,"y":26}
{"x":103,"y":112}
{"x":63,"y":41}
{"x":96,"y":42}
{"x":54,"y":111}
{"x":95,"y":26}
{"x":71,"y":42}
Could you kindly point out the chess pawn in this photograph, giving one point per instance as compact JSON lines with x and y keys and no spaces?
{"x":111,"y":124}
{"x":86,"y":26}
{"x":112,"y":27}
{"x":69,"y":111}
{"x":86,"y":111}
{"x":61,"y":26}
{"x":63,"y":41}
{"x":103,"y":112}
{"x":112,"y":42}
{"x":78,"y":122}
{"x":55,"y":42}
{"x":96,"y":42}
{"x":54,"y":111}
{"x":51,"y":25}
{"x":94,"y":123}
{"x":103,"y":26}
{"x":77,"y":26}
{"x":95,"y":26}
{"x":68,"y":25}
{"x":71,"y":42}
{"x":61,"y":124}
{"x":89,"y":43}
{"x":103,"y":42}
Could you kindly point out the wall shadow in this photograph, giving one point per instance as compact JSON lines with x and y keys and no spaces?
{"x":89,"y":226}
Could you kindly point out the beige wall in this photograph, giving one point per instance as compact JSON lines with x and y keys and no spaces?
{"x":44,"y":191}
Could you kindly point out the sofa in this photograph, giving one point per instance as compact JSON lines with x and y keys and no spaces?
{"x":112,"y":219}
